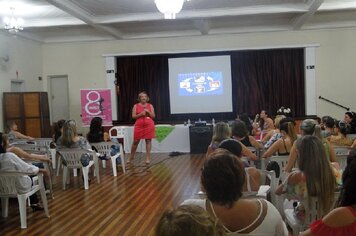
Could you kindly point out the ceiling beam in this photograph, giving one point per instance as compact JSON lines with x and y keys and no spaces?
{"x":81,"y":14}
{"x":301,"y":20}
{"x":199,"y":14}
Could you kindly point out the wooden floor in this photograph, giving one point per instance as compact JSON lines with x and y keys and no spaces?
{"x":129,"y":204}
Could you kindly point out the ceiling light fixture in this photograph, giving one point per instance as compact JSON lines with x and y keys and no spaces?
{"x":169,"y":7}
{"x":13,"y":24}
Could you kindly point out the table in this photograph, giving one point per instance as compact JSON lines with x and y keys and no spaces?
{"x":177,"y":140}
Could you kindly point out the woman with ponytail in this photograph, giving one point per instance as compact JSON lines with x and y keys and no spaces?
{"x":310,"y":127}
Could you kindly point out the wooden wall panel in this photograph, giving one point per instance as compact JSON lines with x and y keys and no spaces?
{"x":33,"y":127}
{"x":30,"y":111}
{"x":12,"y":105}
{"x":31,"y":104}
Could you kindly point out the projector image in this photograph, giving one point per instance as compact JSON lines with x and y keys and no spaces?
{"x":200,"y":123}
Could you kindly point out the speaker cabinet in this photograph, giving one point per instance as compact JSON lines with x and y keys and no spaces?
{"x":200,"y":138}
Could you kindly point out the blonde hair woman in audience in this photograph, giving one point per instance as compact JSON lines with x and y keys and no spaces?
{"x":342,"y":129}
{"x":70,"y":137}
{"x":310,"y":127}
{"x":341,"y":220}
{"x":187,"y":220}
{"x":283,"y":145}
{"x":14,"y":134}
{"x":221,"y":132}
{"x":222,"y":178}
{"x":314,"y":178}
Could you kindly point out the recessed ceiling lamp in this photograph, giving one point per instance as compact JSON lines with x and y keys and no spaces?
{"x":13,"y":24}
{"x":169,"y":7}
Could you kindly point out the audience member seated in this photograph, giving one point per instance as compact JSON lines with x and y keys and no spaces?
{"x":70,"y":137}
{"x":310,"y":127}
{"x":188,"y":220}
{"x":14,"y":134}
{"x":11,"y":162}
{"x":274,"y":134}
{"x":327,"y":125}
{"x":283,"y":145}
{"x":265,"y":122}
{"x":221,"y":132}
{"x":350,"y":118}
{"x":222,"y":178}
{"x":341,"y":220}
{"x":58,"y":126}
{"x":342,"y":129}
{"x":96,"y":135}
{"x":248,"y":122}
{"x":316,"y":177}
{"x":239,"y":132}
{"x":253,"y":176}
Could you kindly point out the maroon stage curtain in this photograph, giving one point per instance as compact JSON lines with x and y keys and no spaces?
{"x":261,"y":79}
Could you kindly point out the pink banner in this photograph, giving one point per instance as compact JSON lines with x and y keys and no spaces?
{"x":96,"y":103}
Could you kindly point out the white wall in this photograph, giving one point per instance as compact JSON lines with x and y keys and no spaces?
{"x":25,"y":56}
{"x":335,"y":60}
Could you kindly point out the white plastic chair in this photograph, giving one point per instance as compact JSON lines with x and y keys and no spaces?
{"x":104,"y":148}
{"x":8,"y":189}
{"x":72,"y":158}
{"x":341,"y":155}
{"x":117,"y":132}
{"x":40,"y":150}
{"x":265,"y":188}
{"x":311,"y":214}
{"x":282,"y":163}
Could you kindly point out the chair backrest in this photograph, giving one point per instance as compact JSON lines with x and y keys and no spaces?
{"x":342,"y":160}
{"x":104,"y":147}
{"x":22,"y":141}
{"x":8,"y":183}
{"x":117,"y":132}
{"x":33,"y":148}
{"x":44,"y":142}
{"x":281,"y":160}
{"x":339,"y":150}
{"x":72,"y":156}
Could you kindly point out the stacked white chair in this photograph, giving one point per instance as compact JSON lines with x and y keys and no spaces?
{"x":104,"y":148}
{"x":8,"y":189}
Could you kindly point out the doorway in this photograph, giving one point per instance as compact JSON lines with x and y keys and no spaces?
{"x":58,"y":97}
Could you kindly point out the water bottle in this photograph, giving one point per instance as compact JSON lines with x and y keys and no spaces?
{"x":213,"y":121}
{"x":188,"y":121}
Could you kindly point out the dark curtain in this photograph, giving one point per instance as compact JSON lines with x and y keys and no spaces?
{"x":267,"y":80}
{"x":261,"y":79}
{"x":143,"y":73}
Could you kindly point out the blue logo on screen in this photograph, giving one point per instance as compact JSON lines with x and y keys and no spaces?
{"x":196,"y":84}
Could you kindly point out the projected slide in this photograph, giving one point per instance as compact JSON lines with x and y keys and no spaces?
{"x":200,"y":84}
{"x":193,"y":84}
